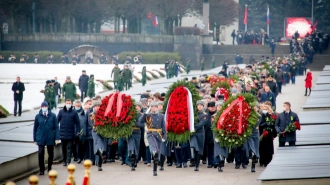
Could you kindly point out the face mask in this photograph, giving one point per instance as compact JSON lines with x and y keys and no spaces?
{"x":44,"y":109}
{"x":77,"y":108}
{"x":68,"y":106}
{"x":264,"y":111}
{"x":284,"y":109}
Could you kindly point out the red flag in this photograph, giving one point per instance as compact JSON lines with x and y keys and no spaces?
{"x":245,"y":15}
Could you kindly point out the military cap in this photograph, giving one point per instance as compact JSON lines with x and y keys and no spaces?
{"x":96,"y":103}
{"x":212,"y":95}
{"x":211,"y":104}
{"x":138,"y":104}
{"x":194,"y":78}
{"x":220,"y":102}
{"x":207,"y":96}
{"x":200,"y":102}
{"x":162,"y":94}
{"x":52,"y":81}
{"x":153,"y":104}
{"x":91,"y":76}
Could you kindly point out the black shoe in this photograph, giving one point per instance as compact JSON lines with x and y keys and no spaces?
{"x":122,"y":163}
{"x":196,"y":169}
{"x":215,"y":165}
{"x":79,"y":161}
{"x":244,"y":166}
{"x":145,"y":162}
{"x":132,"y":168}
{"x":41,"y":173}
{"x":161,"y":168}
{"x":204,"y":162}
{"x":99,"y":168}
{"x":169,"y":164}
{"x":219,"y":169}
{"x":49,"y":168}
{"x":155,"y":173}
{"x":185,"y":165}
{"x":253,"y":167}
{"x":179,"y":165}
{"x":237,"y":167}
{"x":192,"y":165}
{"x":15,"y":115}
{"x":75,"y":159}
{"x":64,"y":164}
{"x":19,"y":115}
{"x":112,"y":160}
{"x":261,"y":165}
{"x":104,"y":161}
{"x":209,"y":166}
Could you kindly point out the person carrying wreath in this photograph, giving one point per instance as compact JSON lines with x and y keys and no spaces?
{"x":198,"y":137}
{"x":156,"y":132}
{"x":267,"y":133}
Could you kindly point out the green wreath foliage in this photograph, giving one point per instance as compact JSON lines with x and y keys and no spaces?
{"x":224,"y":84}
{"x":232,"y":141}
{"x":184,"y":137}
{"x":122,"y":130}
{"x":3,"y":112}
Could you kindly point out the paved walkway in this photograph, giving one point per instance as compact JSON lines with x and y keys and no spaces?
{"x":114,"y":173}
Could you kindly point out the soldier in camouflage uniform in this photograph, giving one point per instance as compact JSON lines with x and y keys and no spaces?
{"x":49,"y":94}
{"x":120,"y":82}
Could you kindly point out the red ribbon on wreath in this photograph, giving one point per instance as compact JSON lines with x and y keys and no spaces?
{"x":238,"y":101}
{"x":119,"y":104}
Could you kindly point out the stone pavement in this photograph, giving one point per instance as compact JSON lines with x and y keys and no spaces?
{"x":114,"y":173}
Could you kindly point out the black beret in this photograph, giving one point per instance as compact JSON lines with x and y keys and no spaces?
{"x":213,"y":95}
{"x":162,"y":94}
{"x":48,"y":81}
{"x":52,"y":81}
{"x":194,"y":78}
{"x":211,"y":104}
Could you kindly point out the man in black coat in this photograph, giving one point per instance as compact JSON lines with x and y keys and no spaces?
{"x":83,"y":85}
{"x":69,"y":128}
{"x":283,"y":120}
{"x":209,"y":140}
{"x":272,"y":85}
{"x":279,"y":77}
{"x":18,"y":88}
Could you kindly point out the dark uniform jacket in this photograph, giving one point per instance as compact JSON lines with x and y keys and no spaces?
{"x":83,"y":82}
{"x":282,"y":121}
{"x":69,"y":123}
{"x":45,"y":129}
{"x":20,"y":87}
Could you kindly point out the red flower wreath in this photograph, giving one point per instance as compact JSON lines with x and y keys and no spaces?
{"x":177,"y":116}
{"x":117,"y":123}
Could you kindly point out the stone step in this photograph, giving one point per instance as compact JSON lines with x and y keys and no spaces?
{"x":319,"y":62}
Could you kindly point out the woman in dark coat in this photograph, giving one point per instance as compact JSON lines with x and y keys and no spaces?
{"x":253,"y":143}
{"x":267,"y":123}
{"x":308,"y":82}
{"x":45,"y":133}
{"x":133,"y":141}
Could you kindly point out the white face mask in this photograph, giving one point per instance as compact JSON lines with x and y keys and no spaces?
{"x":264,"y":111}
{"x":284,"y":109}
{"x":44,"y":109}
{"x":68,"y":106}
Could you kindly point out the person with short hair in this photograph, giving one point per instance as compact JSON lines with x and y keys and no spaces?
{"x":57,"y":91}
{"x":45,"y":134}
{"x":69,"y":90}
{"x":69,"y":128}
{"x":83,"y":85}
{"x":283,"y":120}
{"x":268,"y":96}
{"x":18,"y":88}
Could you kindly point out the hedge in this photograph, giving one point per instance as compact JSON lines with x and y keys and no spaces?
{"x":42,"y":56}
{"x":151,"y":57}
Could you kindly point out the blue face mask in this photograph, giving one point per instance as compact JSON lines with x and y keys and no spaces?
{"x":77,"y":108}
{"x":44,"y":109}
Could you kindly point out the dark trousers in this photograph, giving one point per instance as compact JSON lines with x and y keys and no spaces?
{"x":81,"y":151}
{"x":19,"y":102}
{"x":209,"y":153}
{"x":41,"y":156}
{"x":279,"y":85}
{"x":282,"y":144}
{"x":127,"y":85}
{"x":83,"y":95}
{"x":181,"y":154}
{"x":89,"y":149}
{"x":293,"y":79}
{"x":240,"y":155}
{"x":115,"y":85}
{"x":66,"y":150}
{"x":122,"y":146}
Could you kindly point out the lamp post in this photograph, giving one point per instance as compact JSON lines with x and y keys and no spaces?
{"x":33,"y":17}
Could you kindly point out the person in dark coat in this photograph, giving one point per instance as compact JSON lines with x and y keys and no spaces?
{"x":279,"y":77}
{"x":156,"y":132}
{"x":87,"y":133}
{"x":198,"y":138}
{"x":308,"y":82}
{"x":45,"y":133}
{"x":99,"y":141}
{"x":133,"y":141}
{"x":272,"y":85}
{"x":293,"y":72}
{"x":209,"y":139}
{"x":266,"y":149}
{"x":225,"y":66}
{"x":82,"y":118}
{"x":83,"y":85}
{"x":253,"y":144}
{"x":69,"y":128}
{"x":18,"y":88}
{"x":127,"y":74}
{"x":166,"y":68}
{"x":282,"y":121}
{"x":223,"y":73}
{"x":268,"y":96}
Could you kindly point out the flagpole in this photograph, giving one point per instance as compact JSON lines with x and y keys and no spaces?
{"x":246,"y":18}
{"x":267,"y":20}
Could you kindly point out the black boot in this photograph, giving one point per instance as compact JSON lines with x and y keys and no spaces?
{"x":132,"y":160}
{"x":155,"y":169}
{"x":306,"y":92}
{"x":99,"y":165}
{"x":220,"y":169}
{"x":221,"y":165}
{"x":162,"y":160}
{"x":198,"y":158}
{"x":179,"y":165}
{"x":156,"y":157}
{"x":253,"y":167}
{"x":310,"y":90}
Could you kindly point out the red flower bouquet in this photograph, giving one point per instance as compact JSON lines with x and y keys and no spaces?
{"x":116,"y":116}
{"x":234,"y":123}
{"x":291,"y":128}
{"x":264,"y":134}
{"x":180,"y":112}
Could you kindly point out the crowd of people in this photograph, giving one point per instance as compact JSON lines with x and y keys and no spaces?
{"x":74,"y":125}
